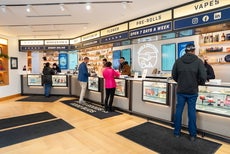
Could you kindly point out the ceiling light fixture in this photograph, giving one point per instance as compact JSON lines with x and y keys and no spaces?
{"x":88,"y":6}
{"x":124,"y":5}
{"x":3,"y":7}
{"x":62,"y":7}
{"x":28,"y":8}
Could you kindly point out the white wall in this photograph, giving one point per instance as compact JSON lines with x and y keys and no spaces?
{"x":14,"y":86}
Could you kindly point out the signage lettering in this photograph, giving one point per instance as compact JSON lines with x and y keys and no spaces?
{"x":206,"y":4}
{"x":151,"y":30}
{"x":149,"y":20}
{"x":198,"y":7}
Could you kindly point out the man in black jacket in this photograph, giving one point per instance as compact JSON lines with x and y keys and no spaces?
{"x":47,"y":78}
{"x":189,"y":72}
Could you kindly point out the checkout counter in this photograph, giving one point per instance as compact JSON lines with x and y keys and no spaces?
{"x":149,"y":97}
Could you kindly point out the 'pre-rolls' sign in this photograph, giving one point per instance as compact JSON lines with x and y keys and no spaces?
{"x":199,"y":7}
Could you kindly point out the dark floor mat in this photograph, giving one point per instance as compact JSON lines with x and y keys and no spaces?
{"x":161,"y":140}
{"x":40,"y":99}
{"x":26,"y":133}
{"x":91,"y":108}
{"x":25,"y":119}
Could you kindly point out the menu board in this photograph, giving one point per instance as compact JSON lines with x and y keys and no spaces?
{"x":34,"y":80}
{"x":59,"y":81}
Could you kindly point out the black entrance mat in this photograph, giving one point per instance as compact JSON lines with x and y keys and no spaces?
{"x":90,"y":108}
{"x":161,"y":140}
{"x":25,"y":119}
{"x":38,"y":98}
{"x":26,"y":133}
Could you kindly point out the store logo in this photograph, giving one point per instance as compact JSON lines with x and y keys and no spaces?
{"x":147,"y":56}
{"x":217,"y":16}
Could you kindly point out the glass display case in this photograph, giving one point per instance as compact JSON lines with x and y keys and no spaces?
{"x":214,"y":99}
{"x":154,"y":91}
{"x":34,"y":80}
{"x":93,"y":84}
{"x":121,"y":87}
{"x":59,"y":80}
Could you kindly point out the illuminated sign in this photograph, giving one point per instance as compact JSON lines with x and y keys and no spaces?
{"x":32,"y":42}
{"x":90,"y":36}
{"x":115,"y":29}
{"x":56,"y":42}
{"x":153,"y":19}
{"x":199,"y":7}
{"x":75,"y":41}
{"x":113,"y":38}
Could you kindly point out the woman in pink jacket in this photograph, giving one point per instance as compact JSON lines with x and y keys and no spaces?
{"x":110,"y":85}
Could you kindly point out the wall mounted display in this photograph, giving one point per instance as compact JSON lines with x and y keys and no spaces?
{"x":154,"y":91}
{"x":93,"y":84}
{"x":73,"y":60}
{"x":181,"y":48}
{"x":116,"y":57}
{"x":63,"y":61}
{"x":13,"y":62}
{"x":121,"y":87}
{"x":59,"y":80}
{"x":126,"y":53}
{"x":214,"y":99}
{"x":34,"y":80}
{"x":168,"y":56}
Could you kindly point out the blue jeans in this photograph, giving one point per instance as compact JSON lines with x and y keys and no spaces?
{"x":191,"y":102}
{"x":47,"y":89}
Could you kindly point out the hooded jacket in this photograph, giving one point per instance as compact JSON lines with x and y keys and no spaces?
{"x":189,"y":72}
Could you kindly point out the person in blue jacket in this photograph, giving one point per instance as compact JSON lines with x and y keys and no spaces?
{"x":83,"y":75}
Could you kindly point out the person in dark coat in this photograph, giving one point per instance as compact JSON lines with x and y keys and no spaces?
{"x":209,"y":70}
{"x":47,"y":78}
{"x":189,"y":72}
{"x":56,"y":68}
{"x":124,"y":67}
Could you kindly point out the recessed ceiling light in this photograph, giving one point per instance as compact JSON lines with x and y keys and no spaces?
{"x":28,"y":8}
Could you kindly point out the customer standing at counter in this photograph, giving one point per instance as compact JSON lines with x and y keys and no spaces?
{"x":47,"y":78}
{"x":83,"y":75}
{"x":124,"y":67}
{"x":189,"y":72}
{"x":110,"y":85}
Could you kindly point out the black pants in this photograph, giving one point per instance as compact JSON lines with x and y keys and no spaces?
{"x":109,"y":96}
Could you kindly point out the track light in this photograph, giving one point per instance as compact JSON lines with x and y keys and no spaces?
{"x":124,"y":5}
{"x":62,"y":7}
{"x":28,"y":8}
{"x":88,"y":6}
{"x":3,"y":7}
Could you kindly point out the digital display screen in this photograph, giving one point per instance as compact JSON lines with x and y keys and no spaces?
{"x":116,"y":58}
{"x":126,"y":53}
{"x":73,"y":59}
{"x":168,"y":56}
{"x":181,"y":48}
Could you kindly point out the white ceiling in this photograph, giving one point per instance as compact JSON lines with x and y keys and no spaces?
{"x":49,"y":22}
